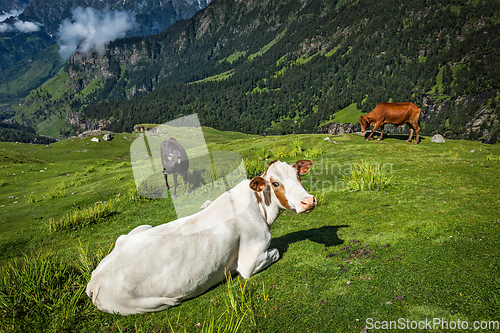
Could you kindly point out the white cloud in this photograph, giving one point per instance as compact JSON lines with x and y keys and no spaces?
{"x":24,"y":26}
{"x":20,"y":26}
{"x":92,"y":30}
{"x":4,"y":27}
{"x":12,"y":13}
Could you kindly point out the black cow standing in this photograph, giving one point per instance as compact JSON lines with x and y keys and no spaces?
{"x":174,"y":161}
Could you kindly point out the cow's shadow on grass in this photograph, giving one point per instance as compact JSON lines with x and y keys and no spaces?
{"x":327,"y":235}
{"x":397,"y":136}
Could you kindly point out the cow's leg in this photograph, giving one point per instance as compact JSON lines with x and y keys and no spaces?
{"x":417,"y":130}
{"x":166,"y":180}
{"x":377,"y":125}
{"x":381,"y":132}
{"x":184,"y":178}
{"x":412,"y":128}
{"x":175,"y":186}
{"x":249,"y":265}
{"x":411,"y":135}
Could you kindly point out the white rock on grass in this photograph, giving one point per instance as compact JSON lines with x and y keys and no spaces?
{"x":437,"y":138}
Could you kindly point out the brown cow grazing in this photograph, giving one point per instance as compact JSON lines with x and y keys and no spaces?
{"x":392,"y":113}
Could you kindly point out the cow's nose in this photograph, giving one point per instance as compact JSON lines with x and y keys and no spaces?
{"x":308,"y":203}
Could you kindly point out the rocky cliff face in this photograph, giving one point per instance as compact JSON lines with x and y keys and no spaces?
{"x":477,"y":116}
{"x":84,"y":69}
{"x":75,"y":119}
{"x":339,"y":128}
{"x":486,"y":124}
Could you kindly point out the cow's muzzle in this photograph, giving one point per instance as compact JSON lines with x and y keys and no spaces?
{"x":308,"y":204}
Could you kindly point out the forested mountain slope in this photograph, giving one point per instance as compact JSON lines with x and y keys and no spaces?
{"x":26,"y":32}
{"x":285,"y":66}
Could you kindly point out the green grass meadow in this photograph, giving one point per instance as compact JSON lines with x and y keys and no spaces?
{"x":420,"y":243}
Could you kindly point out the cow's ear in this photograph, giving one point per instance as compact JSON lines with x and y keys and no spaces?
{"x":258,"y":184}
{"x":303,"y":166}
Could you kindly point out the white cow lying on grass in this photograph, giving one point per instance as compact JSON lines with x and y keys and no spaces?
{"x":152,"y":269}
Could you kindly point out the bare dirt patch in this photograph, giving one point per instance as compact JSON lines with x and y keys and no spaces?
{"x":355,"y":251}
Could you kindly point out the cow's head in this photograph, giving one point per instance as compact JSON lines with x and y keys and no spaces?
{"x":364,"y":123}
{"x":280,"y":185}
{"x":171,"y":162}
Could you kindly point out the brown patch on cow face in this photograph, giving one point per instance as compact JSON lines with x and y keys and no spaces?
{"x":303,"y":166}
{"x":279,"y":191}
{"x":258,"y":184}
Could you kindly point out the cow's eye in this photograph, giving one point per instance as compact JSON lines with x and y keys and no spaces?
{"x":276,"y":184}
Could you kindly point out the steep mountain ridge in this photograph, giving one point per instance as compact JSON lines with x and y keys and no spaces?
{"x":152,"y":15}
{"x":287,"y":66}
{"x":7,"y":6}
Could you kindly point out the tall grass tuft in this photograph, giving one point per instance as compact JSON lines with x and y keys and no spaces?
{"x":296,"y":148}
{"x":255,"y":167}
{"x":263,"y":154}
{"x":492,"y":157}
{"x":39,"y":292}
{"x":81,"y":217}
{"x":367,"y":177}
{"x":88,"y":261}
{"x":238,"y":309}
{"x":33,"y":198}
{"x":281,"y":152}
{"x":56,"y":193}
{"x":315,"y":151}
{"x":122,"y":165}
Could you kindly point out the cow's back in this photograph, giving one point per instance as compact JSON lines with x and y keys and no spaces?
{"x":396,"y":113}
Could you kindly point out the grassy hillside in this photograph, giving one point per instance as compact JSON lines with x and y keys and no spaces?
{"x":423,"y":246}
{"x":41,"y":107}
{"x":349,"y":114}
{"x":19,"y":79}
